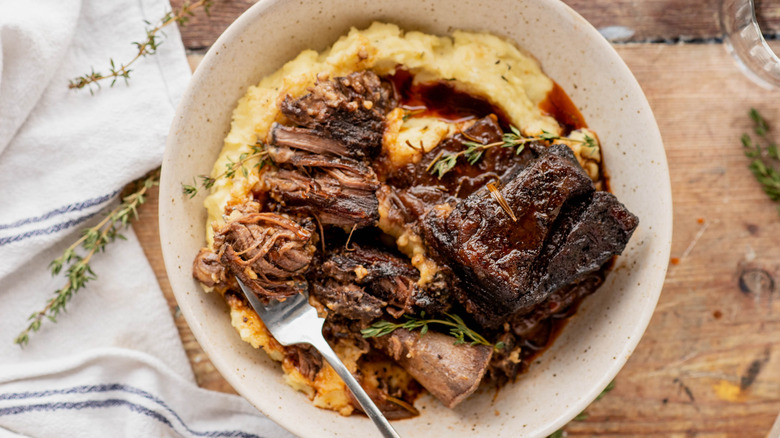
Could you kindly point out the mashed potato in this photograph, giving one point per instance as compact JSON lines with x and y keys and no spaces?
{"x":477,"y":63}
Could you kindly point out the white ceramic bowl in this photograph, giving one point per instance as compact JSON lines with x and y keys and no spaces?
{"x":596,"y":342}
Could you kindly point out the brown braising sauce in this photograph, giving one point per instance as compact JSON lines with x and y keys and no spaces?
{"x":559,"y":106}
{"x":438,"y":99}
{"x":441,"y":100}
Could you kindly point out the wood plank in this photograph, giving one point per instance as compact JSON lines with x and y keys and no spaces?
{"x":629,"y":20}
{"x":709,"y":363}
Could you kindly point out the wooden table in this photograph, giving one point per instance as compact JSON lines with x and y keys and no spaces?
{"x":709,"y":363}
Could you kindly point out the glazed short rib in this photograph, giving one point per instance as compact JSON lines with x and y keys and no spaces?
{"x":564,"y":229}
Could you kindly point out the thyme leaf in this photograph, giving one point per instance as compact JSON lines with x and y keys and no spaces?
{"x":148,"y":46}
{"x":76,"y":258}
{"x":442,"y":164}
{"x":445,"y":162}
{"x":232,"y":166}
{"x":765,"y":160}
{"x":458,"y":329}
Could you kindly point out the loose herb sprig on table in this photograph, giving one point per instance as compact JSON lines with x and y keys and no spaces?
{"x":443,"y":163}
{"x":458,"y":329}
{"x":765,"y":161}
{"x":231,"y":167}
{"x":92,"y":241}
{"x":147,"y":47}
{"x":582,"y":416}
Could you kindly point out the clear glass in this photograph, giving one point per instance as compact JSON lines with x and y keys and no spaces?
{"x":743,"y":39}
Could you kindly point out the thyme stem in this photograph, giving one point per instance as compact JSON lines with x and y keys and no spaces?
{"x":231,"y":167}
{"x":444,"y":162}
{"x":92,"y":240}
{"x":147,"y":47}
{"x":458,"y":330}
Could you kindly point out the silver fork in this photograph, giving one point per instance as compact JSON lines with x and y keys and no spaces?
{"x":295,"y":321}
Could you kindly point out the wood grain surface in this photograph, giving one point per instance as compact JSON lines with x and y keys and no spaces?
{"x":709,"y":363}
{"x":624,"y":20}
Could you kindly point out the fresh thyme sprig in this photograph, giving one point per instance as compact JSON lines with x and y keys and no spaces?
{"x":93,"y":240}
{"x":148,"y":46}
{"x":458,"y":329}
{"x":231,"y":167}
{"x":443,"y":163}
{"x":582,"y":416}
{"x":764,"y":161}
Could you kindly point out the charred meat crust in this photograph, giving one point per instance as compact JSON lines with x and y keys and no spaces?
{"x":363,"y":283}
{"x":348,"y":109}
{"x":348,"y":300}
{"x":588,"y":238}
{"x":506,"y":266}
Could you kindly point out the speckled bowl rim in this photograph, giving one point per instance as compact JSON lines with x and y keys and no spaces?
{"x":596,"y":342}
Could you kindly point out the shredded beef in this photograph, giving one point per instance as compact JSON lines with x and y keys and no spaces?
{"x":337,"y":190}
{"x":325,"y":196}
{"x":207,"y":269}
{"x":305,"y":359}
{"x":267,"y":251}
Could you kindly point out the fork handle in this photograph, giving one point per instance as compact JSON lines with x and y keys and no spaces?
{"x":365,"y":401}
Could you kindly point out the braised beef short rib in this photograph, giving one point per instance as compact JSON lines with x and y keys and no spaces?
{"x":362,"y":283}
{"x":349,"y":110}
{"x":337,"y":190}
{"x":321,"y":170}
{"x":511,"y":272}
{"x":564,"y":229}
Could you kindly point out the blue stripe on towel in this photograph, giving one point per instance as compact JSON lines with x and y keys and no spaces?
{"x":43,"y":231}
{"x":112,"y":402}
{"x":77,"y":206}
{"x":85,"y":389}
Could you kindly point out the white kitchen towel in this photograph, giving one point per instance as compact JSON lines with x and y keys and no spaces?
{"x":111,"y":392}
{"x":64,"y":157}
{"x":67,"y":154}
